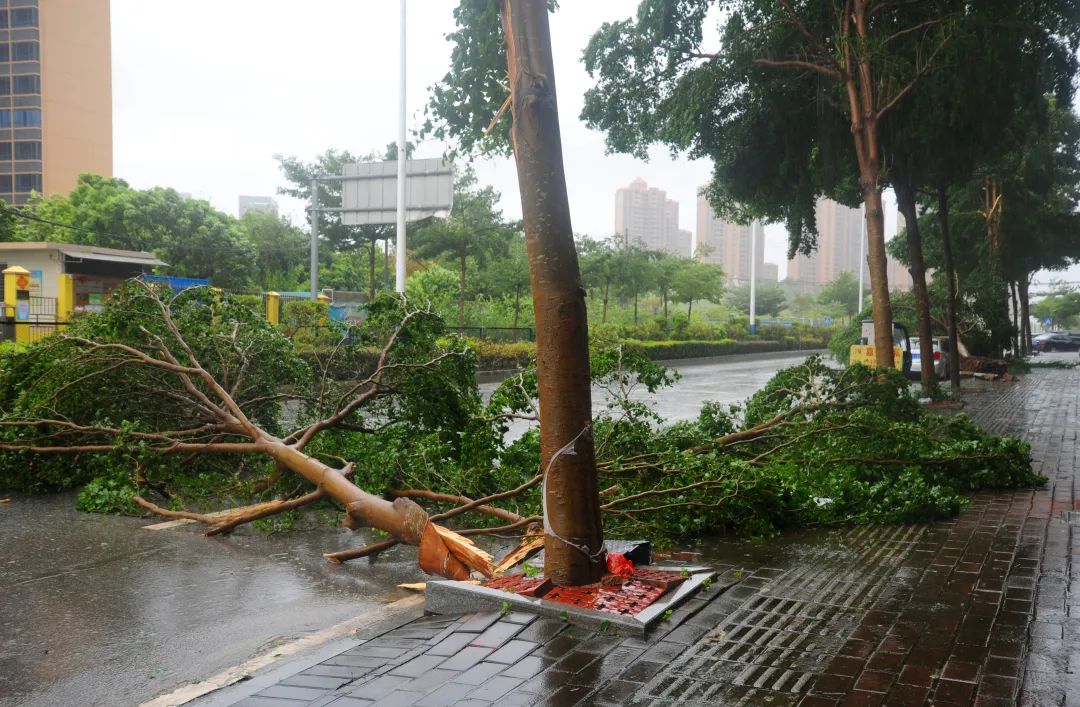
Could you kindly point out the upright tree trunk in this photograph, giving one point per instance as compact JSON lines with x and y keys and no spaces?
{"x":573,"y":536}
{"x":950,"y":291}
{"x":1015,"y":318}
{"x":689,"y":309}
{"x":1025,"y":316}
{"x":879,"y":271}
{"x":461,"y":294}
{"x":386,"y":263}
{"x":992,"y":213}
{"x":664,"y":295}
{"x":371,"y":268}
{"x":861,"y":88}
{"x":517,"y":305}
{"x":635,"y":306}
{"x":607,"y":289}
{"x":905,"y":201}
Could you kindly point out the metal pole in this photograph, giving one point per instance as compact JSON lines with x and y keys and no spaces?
{"x":862,"y":262}
{"x":314,"y":238}
{"x":753,"y":277}
{"x":401,"y":156}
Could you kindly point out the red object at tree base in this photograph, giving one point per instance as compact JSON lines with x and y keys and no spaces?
{"x":618,"y":564}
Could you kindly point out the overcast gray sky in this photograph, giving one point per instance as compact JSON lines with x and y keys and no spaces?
{"x":206,"y":91}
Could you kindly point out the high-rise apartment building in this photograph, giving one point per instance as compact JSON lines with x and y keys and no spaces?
{"x":728,"y":245}
{"x":839,"y":247}
{"x":55,"y":95}
{"x":260,"y":204}
{"x":645,"y":217}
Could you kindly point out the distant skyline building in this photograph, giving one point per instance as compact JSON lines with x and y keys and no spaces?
{"x":55,"y":95}
{"x":260,"y":204}
{"x":728,"y":245}
{"x":645,"y":217}
{"x":839,"y":247}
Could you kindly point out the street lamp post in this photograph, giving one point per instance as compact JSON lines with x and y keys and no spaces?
{"x":401,"y":157}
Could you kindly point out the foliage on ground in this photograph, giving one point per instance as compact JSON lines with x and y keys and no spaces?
{"x":816,"y":446}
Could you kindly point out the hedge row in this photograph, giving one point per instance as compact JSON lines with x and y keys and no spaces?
{"x":349,"y":363}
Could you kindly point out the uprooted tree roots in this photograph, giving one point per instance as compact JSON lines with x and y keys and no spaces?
{"x":201,"y":381}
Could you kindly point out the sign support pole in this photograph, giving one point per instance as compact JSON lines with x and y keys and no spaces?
{"x":314,"y":238}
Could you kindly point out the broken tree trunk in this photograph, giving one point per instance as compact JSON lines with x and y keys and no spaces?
{"x":574,"y":541}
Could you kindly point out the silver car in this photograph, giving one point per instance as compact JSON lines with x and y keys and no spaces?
{"x":941,"y":360}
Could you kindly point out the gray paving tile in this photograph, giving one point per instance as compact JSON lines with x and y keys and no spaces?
{"x":479,"y":673}
{"x":418,"y":666}
{"x":466,"y":658}
{"x":513,"y":651}
{"x":292,"y":693}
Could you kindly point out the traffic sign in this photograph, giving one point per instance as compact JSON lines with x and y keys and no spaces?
{"x":827,"y":321}
{"x":1049,"y":321}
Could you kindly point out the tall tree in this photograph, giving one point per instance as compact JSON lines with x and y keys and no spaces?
{"x":598,"y":270}
{"x":194,"y":238}
{"x":697,"y":281}
{"x":844,"y":290}
{"x":635,"y":273}
{"x":509,"y":276}
{"x":769,"y":299}
{"x":280,"y":250}
{"x":475,"y":229}
{"x":573,"y":540}
{"x":332,"y":232}
{"x":787,"y":82}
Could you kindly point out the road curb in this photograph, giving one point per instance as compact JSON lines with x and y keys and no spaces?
{"x":247,"y":678}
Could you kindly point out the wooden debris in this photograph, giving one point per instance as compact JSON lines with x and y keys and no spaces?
{"x":466,"y":551}
{"x":527,"y":548}
{"x":414,"y":586}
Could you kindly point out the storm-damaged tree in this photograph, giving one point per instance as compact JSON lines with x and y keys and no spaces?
{"x":525,"y":121}
{"x":772,"y":103}
{"x":200,"y":374}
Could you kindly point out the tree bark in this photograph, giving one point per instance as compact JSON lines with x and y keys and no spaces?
{"x":689,"y":309}
{"x":861,"y":89}
{"x":573,"y":537}
{"x":950,"y":291}
{"x":603,"y":315}
{"x":1025,"y":316}
{"x":635,"y":307}
{"x":664,"y":295}
{"x":461,"y":294}
{"x":1015,"y":318}
{"x":517,"y":306}
{"x":879,"y":272}
{"x":371,"y":268}
{"x":905,"y":201}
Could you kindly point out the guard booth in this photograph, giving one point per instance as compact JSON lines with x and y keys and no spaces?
{"x":45,"y":284}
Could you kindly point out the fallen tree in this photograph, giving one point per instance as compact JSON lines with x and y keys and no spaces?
{"x":142,"y":396}
{"x":181,"y":368}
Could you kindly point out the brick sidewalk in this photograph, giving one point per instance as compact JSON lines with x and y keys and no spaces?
{"x":972,"y":611}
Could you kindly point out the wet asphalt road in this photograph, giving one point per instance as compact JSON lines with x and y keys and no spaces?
{"x":731,"y":379}
{"x":96,"y":611}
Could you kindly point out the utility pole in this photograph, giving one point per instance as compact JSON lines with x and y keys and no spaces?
{"x":401,"y":157}
{"x":753,"y":277}
{"x":314,"y":239}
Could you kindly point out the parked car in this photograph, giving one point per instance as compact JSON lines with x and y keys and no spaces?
{"x":941,"y":360}
{"x":1055,"y":341}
